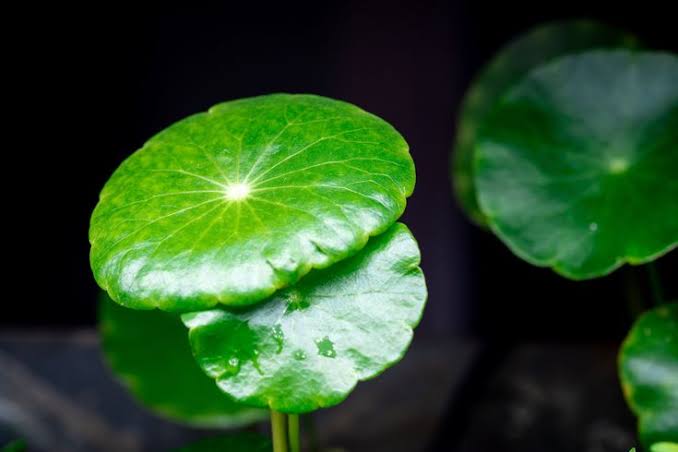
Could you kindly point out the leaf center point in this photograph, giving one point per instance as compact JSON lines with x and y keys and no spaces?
{"x":237,"y":191}
{"x":618,"y":165}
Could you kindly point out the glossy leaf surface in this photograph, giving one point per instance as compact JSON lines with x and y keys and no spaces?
{"x":576,"y":167}
{"x":664,"y":447}
{"x":307,"y":346}
{"x":648,"y":367}
{"x":230,"y":205}
{"x":149,"y":352}
{"x":538,"y":46}
{"x":238,"y":442}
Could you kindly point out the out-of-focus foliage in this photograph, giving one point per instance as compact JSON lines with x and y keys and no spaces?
{"x":536,"y":47}
{"x":576,"y":165}
{"x":648,"y":367}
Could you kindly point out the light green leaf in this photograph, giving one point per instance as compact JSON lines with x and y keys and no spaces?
{"x":538,"y":46}
{"x":576,"y":166}
{"x":230,"y":205}
{"x":648,"y":368}
{"x":149,"y":352}
{"x":239,"y":442}
{"x":664,"y":447}
{"x":307,"y":346}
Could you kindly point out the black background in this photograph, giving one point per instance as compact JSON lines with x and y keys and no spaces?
{"x":94,"y":84}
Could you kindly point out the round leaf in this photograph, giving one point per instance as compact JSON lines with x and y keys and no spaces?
{"x":149,"y":351}
{"x":239,"y":442}
{"x":664,"y":447}
{"x":230,"y":205}
{"x":648,"y":367}
{"x":307,"y":346}
{"x":509,"y":65}
{"x":576,"y":166}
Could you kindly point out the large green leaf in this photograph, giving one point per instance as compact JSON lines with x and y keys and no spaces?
{"x":307,"y":346}
{"x":150,"y":353}
{"x":510,"y":64}
{"x":648,"y":367}
{"x":576,"y":166}
{"x":239,"y":442}
{"x":230,"y":205}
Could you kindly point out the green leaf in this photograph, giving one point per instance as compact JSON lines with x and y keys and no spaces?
{"x":307,"y":346}
{"x":509,"y":65}
{"x":18,"y":445}
{"x":230,"y":205}
{"x":648,"y":368}
{"x":664,"y":447}
{"x":239,"y":442}
{"x":149,"y":352}
{"x":576,"y":166}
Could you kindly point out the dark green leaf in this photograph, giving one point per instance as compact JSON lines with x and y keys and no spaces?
{"x":648,"y":367}
{"x":510,"y":64}
{"x":576,"y":166}
{"x":307,"y":346}
{"x":240,"y":442}
{"x":150,"y":353}
{"x":18,"y":445}
{"x":230,"y":205}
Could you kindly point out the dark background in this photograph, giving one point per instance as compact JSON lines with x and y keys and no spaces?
{"x":94,"y":84}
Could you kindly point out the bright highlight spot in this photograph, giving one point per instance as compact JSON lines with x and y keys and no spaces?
{"x":236,"y":192}
{"x":618,"y":165}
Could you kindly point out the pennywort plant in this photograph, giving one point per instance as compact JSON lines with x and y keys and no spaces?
{"x":574,"y":166}
{"x":253,"y":261}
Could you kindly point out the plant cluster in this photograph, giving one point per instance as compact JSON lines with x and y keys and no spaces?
{"x":567,"y":151}
{"x":253,"y":261}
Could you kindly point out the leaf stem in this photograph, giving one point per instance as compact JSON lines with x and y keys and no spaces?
{"x":293,"y":432}
{"x":279,"y":430}
{"x":655,"y":283}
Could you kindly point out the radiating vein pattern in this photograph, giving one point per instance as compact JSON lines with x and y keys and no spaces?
{"x":232,"y":204}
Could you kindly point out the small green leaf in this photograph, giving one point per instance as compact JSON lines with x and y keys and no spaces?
{"x":510,"y":64}
{"x":576,"y":166}
{"x":307,"y":346}
{"x":149,"y":351}
{"x":239,"y":442}
{"x":648,"y":368}
{"x":230,"y":205}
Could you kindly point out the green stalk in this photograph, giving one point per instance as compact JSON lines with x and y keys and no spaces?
{"x":279,"y":429}
{"x":293,"y":432}
{"x":655,"y":283}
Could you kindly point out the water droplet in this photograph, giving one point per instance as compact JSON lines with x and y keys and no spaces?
{"x":278,"y":337}
{"x":593,"y":227}
{"x":296,"y":301}
{"x":326,"y":347}
{"x":233,"y":366}
{"x":299,"y":355}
